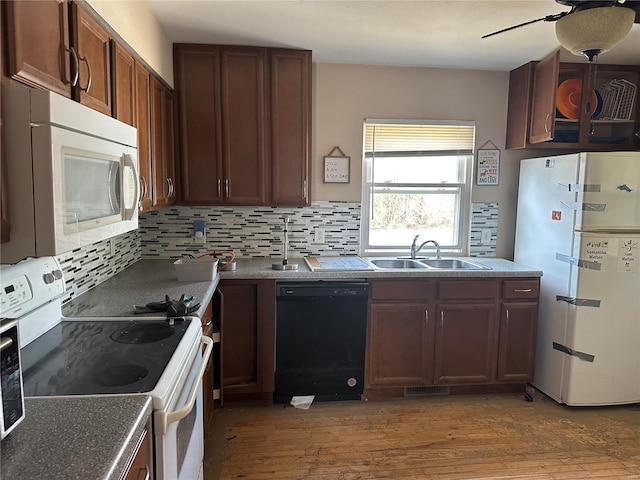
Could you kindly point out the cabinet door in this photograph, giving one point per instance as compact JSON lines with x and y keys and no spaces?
{"x":141,"y":465}
{"x":162,"y":154}
{"x":399,"y":345}
{"x":290,"y":126}
{"x":519,"y":110}
{"x":5,"y":224}
{"x":143,"y":124}
{"x":200,"y":135}
{"x":38,"y":44}
{"x":543,"y":108}
{"x":124,"y":84}
{"x":240,"y":335}
{"x":248,"y":338}
{"x":517,"y":345}
{"x":92,"y":43}
{"x":465,"y":344}
{"x":244,"y":125}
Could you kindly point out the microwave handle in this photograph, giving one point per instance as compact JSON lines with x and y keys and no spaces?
{"x":167,"y":418}
{"x":129,"y":212}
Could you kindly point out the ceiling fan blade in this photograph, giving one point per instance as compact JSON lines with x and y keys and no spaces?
{"x":548,"y":18}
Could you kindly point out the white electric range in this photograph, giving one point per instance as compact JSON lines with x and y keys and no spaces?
{"x":141,"y":355}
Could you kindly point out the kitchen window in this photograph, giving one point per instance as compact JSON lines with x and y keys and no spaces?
{"x":416,"y":181}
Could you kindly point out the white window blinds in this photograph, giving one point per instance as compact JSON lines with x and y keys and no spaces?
{"x":426,"y":139}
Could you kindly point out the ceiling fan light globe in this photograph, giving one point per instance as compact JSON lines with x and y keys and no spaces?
{"x":594,"y":29}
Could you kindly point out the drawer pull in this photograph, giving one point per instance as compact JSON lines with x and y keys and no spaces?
{"x":523,"y":290}
{"x":441,"y":318}
{"x":507,"y":312}
{"x":426,"y":318}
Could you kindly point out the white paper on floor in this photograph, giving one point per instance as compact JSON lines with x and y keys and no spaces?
{"x":302,"y":402}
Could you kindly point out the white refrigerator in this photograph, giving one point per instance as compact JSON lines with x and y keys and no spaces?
{"x":578,"y":221}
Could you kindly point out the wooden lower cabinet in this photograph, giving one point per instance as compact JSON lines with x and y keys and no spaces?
{"x":400,"y":344}
{"x":516,"y":355}
{"x":247,"y":339}
{"x":465,"y":344}
{"x":142,"y":463}
{"x":451,"y":332}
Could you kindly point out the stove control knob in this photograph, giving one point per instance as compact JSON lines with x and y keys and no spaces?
{"x":57,"y":274}
{"x":48,"y":278}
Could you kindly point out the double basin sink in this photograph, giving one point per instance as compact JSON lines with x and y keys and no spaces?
{"x":424,"y":263}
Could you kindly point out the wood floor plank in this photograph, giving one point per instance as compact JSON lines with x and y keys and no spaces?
{"x":486,"y":437}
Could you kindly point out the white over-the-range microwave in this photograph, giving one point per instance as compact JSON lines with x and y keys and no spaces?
{"x":73,"y":174}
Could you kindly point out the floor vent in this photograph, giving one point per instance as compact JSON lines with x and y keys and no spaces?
{"x":415,"y":391}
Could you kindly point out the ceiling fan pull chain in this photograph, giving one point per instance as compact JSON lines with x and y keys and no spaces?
{"x":593,"y":71}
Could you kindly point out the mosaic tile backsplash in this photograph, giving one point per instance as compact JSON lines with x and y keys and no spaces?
{"x":252,"y":231}
{"x":484,"y":216}
{"x":248,"y":231}
{"x":86,"y":267}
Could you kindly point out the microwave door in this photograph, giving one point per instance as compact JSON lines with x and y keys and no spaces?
{"x":85,"y":189}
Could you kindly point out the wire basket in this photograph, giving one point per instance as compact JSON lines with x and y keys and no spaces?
{"x":617,"y":99}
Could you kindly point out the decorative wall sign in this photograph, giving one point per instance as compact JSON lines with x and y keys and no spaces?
{"x":336,"y":167}
{"x":488,"y":165}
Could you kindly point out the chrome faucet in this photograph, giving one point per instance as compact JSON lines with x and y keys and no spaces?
{"x":415,"y":249}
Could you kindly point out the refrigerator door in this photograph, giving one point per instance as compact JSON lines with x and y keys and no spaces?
{"x":608,"y":191}
{"x":602,"y":349}
{"x":544,"y":229}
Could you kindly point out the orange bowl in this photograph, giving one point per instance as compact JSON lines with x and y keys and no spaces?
{"x":568,"y":98}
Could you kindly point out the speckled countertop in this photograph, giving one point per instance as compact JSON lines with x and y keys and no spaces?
{"x":150,"y":280}
{"x":258,"y":268}
{"x":143,"y":282}
{"x":75,"y":438}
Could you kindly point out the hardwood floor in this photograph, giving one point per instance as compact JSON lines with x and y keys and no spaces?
{"x":437,"y":437}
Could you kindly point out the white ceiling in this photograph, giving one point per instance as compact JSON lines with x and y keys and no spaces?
{"x":419,"y":33}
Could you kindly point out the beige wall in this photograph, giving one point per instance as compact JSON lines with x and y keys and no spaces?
{"x":344,"y":95}
{"x":136,"y":24}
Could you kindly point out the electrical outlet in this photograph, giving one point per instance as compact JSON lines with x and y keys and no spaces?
{"x":318,"y":235}
{"x":485,"y":238}
{"x":199,"y":232}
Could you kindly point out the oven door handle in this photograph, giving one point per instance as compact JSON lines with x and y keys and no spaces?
{"x":167,"y":418}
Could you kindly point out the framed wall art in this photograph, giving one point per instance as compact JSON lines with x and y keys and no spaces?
{"x":336,"y":167}
{"x":488,"y":165}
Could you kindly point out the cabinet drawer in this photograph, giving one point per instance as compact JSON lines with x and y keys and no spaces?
{"x":402,"y":289}
{"x":467,"y":289}
{"x":525,"y":289}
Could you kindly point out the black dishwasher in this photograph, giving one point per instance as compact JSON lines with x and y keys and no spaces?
{"x":320,"y":340}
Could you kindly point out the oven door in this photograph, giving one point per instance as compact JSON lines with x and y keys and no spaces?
{"x":179,"y":433}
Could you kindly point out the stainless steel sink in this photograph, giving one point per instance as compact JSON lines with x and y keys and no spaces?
{"x":452,"y":264}
{"x":395,"y":263}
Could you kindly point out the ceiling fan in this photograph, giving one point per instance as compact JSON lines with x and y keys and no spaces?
{"x":590,"y":27}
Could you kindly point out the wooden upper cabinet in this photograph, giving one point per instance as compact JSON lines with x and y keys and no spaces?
{"x":596,"y":124}
{"x":143,"y":124}
{"x":162,"y":145}
{"x":92,"y":43}
{"x":200,"y":137}
{"x":5,"y":217}
{"x":244,"y":127}
{"x":543,"y":105}
{"x":124,"y":84}
{"x":38,"y":44}
{"x":290,"y":126}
